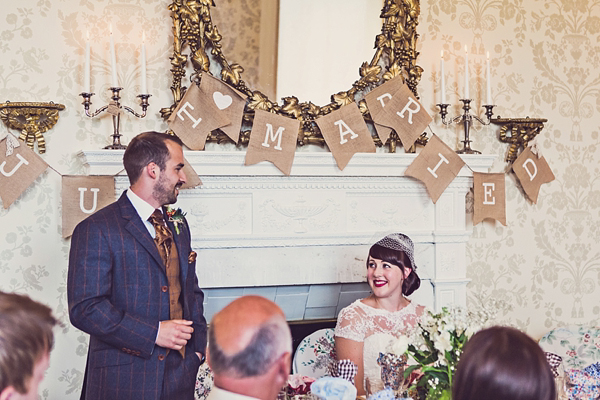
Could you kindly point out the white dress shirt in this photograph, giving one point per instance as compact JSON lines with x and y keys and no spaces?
{"x":222,"y":394}
{"x":143,"y":209}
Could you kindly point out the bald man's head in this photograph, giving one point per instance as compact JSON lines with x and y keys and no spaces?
{"x":247,"y":337}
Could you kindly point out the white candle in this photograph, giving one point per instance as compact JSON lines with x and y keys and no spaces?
{"x":442,"y":81}
{"x":466,"y":73}
{"x":86,"y":68}
{"x":144,"y":83}
{"x":489,"y":81}
{"x":113,"y":60}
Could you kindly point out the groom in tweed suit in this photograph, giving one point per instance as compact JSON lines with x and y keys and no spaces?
{"x":132,"y":284}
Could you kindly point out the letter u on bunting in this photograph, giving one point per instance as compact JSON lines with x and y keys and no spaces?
{"x":346,"y":133}
{"x":18,"y":171}
{"x":273,"y":138}
{"x":83,"y":196}
{"x":532,"y":172}
{"x":489,"y":197}
{"x":195,"y":117}
{"x":436,"y":166}
{"x":376,"y":101}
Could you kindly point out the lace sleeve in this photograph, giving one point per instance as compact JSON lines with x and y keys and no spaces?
{"x":350,"y":324}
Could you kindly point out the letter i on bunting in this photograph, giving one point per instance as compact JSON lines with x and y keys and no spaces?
{"x":489,"y":197}
{"x":83,"y":196}
{"x":346,"y":133}
{"x":532,"y":172}
{"x":273,"y":138}
{"x":17,"y":170}
{"x":195,"y":117}
{"x":436,"y":166}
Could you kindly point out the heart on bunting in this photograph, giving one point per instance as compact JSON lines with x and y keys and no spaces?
{"x":221,"y":100}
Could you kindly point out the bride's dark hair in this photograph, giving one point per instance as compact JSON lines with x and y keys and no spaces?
{"x":400,"y":259}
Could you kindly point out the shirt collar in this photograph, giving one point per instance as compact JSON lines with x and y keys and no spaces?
{"x":217,"y":393}
{"x":143,"y":209}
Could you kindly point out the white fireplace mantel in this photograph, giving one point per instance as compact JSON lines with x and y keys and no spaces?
{"x":253,"y":226}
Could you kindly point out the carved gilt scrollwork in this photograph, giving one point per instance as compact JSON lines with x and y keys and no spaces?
{"x":518,"y":132}
{"x":395,"y":54}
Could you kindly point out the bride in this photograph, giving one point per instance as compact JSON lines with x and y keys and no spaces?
{"x":365,"y":327}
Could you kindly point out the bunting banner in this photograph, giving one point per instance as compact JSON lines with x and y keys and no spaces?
{"x":273,"y":138}
{"x":83,"y":196}
{"x":404,"y":114}
{"x":489,"y":197}
{"x":192,"y":179}
{"x":436,"y":166}
{"x":532,"y":171}
{"x":17,"y":171}
{"x":377,"y":99}
{"x":228,"y":100}
{"x":195,"y":117}
{"x":346,"y":133}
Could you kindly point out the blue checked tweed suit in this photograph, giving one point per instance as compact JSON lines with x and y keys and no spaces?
{"x":116,"y":291}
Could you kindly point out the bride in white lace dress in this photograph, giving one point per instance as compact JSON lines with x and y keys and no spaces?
{"x":366,"y":327}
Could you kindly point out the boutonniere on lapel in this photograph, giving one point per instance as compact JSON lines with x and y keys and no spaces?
{"x":176,"y":217}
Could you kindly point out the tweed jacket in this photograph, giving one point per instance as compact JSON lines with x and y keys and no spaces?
{"x":118,"y":293}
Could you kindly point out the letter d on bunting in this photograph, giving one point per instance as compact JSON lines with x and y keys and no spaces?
{"x":532,"y":172}
{"x":18,"y":171}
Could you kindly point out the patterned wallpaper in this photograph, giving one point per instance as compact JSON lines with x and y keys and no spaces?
{"x":545,"y":60}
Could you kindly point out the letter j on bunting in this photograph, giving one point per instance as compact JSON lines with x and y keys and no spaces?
{"x":532,"y":172}
{"x":489,"y":197}
{"x":195,"y":117}
{"x":273,"y":138}
{"x":82,"y":196}
{"x":17,"y":171}
{"x":346,"y":133}
{"x":436,"y":166}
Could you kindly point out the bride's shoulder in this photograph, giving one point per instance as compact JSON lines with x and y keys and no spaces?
{"x":420,"y":310}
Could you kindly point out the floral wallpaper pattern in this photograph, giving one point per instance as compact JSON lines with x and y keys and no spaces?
{"x":545,"y":58}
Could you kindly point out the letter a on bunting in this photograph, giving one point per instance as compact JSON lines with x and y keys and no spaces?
{"x":273,"y":138}
{"x":18,"y":171}
{"x":195,"y":117}
{"x":436,"y":166}
{"x":82,"y":196}
{"x":346,"y":133}
{"x":533,"y":172}
{"x":489,"y":197}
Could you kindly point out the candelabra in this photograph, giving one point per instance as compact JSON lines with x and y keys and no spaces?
{"x":467,"y":119}
{"x":114,"y":108}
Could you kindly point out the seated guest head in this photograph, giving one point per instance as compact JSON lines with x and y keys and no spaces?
{"x":249,"y":348}
{"x":26,"y":339}
{"x":398,"y":250}
{"x":503,"y":363}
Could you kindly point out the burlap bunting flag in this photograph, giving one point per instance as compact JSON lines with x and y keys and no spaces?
{"x":273,"y":138}
{"x":18,"y":171}
{"x":532,"y":172}
{"x":191,"y":176}
{"x":346,"y":133}
{"x":489,"y":197}
{"x":436,"y":166}
{"x":195,"y":117}
{"x":228,"y":100}
{"x":82,"y":196}
{"x":377,"y":99}
{"x":406,"y":116}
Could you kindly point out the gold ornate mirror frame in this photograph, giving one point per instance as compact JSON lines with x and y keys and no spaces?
{"x":395,"y":54}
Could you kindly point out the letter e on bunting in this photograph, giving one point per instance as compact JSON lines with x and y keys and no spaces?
{"x":228,"y":100}
{"x":376,"y":100}
{"x":489,"y":197}
{"x":195,"y":117}
{"x":532,"y":172}
{"x":82,"y":196}
{"x":436,"y":166}
{"x":406,"y":116}
{"x":346,"y":133}
{"x":17,"y":171}
{"x":273,"y":138}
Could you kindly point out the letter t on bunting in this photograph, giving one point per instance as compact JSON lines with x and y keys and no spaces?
{"x":195,"y":117}
{"x":346,"y":133}
{"x":489,"y":196}
{"x":17,"y":171}
{"x":436,"y":166}
{"x":273,"y":138}
{"x":533,"y":172}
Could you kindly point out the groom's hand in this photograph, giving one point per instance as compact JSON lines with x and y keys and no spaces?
{"x":174,"y":333}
